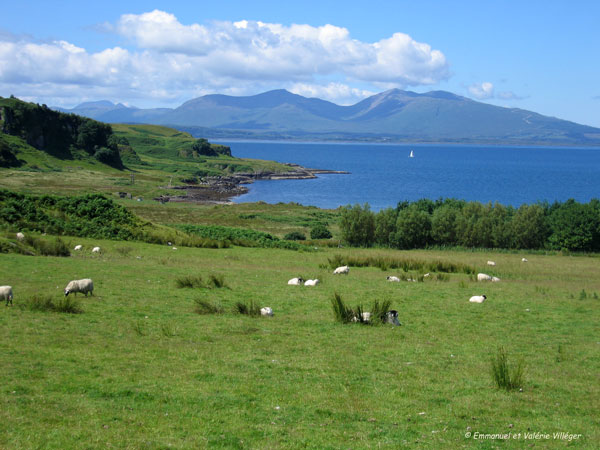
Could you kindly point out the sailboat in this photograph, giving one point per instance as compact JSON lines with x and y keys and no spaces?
{"x":412,"y":155}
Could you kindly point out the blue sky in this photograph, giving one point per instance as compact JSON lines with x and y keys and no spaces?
{"x":537,"y":55}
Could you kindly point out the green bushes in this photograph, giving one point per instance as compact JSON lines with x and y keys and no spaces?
{"x":320,"y":231}
{"x":295,"y":236}
{"x":568,"y":226}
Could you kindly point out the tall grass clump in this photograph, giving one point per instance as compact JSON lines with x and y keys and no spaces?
{"x":379,"y":311}
{"x":45,"y":303}
{"x":248,"y":308}
{"x":55,"y":247}
{"x":189,"y":281}
{"x":505,"y":376}
{"x":206,"y":307}
{"x":216,"y":281}
{"x":341,"y":312}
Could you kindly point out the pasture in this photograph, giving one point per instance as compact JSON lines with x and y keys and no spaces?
{"x":139,"y":368}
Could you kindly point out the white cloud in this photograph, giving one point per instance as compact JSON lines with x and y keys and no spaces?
{"x":482,"y":91}
{"x":171,"y":61}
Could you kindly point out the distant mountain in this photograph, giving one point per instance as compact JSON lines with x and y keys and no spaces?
{"x":393,"y":115}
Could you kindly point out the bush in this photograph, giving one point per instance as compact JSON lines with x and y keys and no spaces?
{"x":506,"y":377}
{"x":295,"y":236}
{"x":320,"y":231}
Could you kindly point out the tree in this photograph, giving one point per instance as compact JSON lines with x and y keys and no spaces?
{"x":528,"y":227}
{"x":385,"y":226}
{"x":320,"y":231}
{"x":443,"y":225}
{"x":357,"y":225}
{"x":574,"y":226}
{"x":413,"y":228}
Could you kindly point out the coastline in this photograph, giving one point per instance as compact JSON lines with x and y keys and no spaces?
{"x":221,"y":189}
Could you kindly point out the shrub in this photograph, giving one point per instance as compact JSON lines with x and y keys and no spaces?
{"x":295,"y":236}
{"x":320,"y":231}
{"x":505,"y":376}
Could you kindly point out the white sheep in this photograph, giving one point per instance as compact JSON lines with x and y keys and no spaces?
{"x":491,"y":263}
{"x":96,"y":250}
{"x":266,"y":311}
{"x":524,"y":260}
{"x":78,"y":247}
{"x":477,"y":299}
{"x":20,"y":236}
{"x":311,"y":282}
{"x":296,"y":281}
{"x":393,"y":278}
{"x":342,"y":270}
{"x":495,"y":279}
{"x":84,"y":286}
{"x":6,"y":293}
{"x":483,"y":277}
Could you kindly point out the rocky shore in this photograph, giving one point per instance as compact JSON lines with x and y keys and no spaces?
{"x":221,"y":189}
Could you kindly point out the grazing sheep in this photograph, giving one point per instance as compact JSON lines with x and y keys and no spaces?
{"x":495,"y":279}
{"x":483,"y":277}
{"x":343,"y":269}
{"x":266,"y":311}
{"x":477,"y":299}
{"x":393,"y":278}
{"x":296,"y":281}
{"x":20,"y":236}
{"x":491,"y":263}
{"x":84,"y":286}
{"x":78,"y":247}
{"x":366,"y":317}
{"x":427,"y":275}
{"x":311,"y":282}
{"x":96,"y":250}
{"x":6,"y":294}
{"x":524,"y":260}
{"x":392,"y":317}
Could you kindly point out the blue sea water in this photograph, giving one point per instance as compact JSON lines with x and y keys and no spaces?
{"x":382,"y":175}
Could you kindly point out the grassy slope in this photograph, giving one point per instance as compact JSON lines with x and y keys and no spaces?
{"x":298,"y":379}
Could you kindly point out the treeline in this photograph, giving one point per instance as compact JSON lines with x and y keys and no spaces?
{"x":426,"y":223}
{"x":57,"y":133}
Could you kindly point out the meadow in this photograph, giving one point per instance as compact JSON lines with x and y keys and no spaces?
{"x":140,"y":368}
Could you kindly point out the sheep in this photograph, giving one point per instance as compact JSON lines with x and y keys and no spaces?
{"x":266,"y":311}
{"x":342,"y":270}
{"x":96,"y":250}
{"x":78,"y":247}
{"x":393,"y":278}
{"x":6,"y":293}
{"x":311,"y":282}
{"x":483,"y":277}
{"x":20,"y":236}
{"x":491,"y":263}
{"x":495,"y":279}
{"x":477,"y":299}
{"x":392,"y":317}
{"x":296,"y":281}
{"x":524,"y":260}
{"x":86,"y":285}
{"x":366,"y":317}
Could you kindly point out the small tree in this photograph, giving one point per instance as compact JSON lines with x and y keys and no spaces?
{"x":320,"y":231}
{"x":357,"y":224}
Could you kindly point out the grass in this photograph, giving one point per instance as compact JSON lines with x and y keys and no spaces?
{"x":139,"y":368}
{"x":46,"y":303}
{"x":506,"y":376}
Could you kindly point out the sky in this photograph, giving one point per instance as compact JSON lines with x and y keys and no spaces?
{"x":537,"y":55}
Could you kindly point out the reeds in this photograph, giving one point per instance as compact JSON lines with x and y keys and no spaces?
{"x":505,"y":376}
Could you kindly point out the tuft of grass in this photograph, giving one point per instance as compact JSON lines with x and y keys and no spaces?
{"x":582,"y":295}
{"x":216,"y":281}
{"x":379,"y":311}
{"x":45,"y":303}
{"x":68,"y":305}
{"x":167,"y":329}
{"x":249,"y":308}
{"x":189,"y":281}
{"x":124,"y":251}
{"x":505,"y":376}
{"x":139,"y":328}
{"x":206,"y":307}
{"x":341,"y":312}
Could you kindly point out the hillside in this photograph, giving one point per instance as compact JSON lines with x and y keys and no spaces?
{"x":393,"y":115}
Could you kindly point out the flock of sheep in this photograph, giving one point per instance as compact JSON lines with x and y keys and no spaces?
{"x":83,"y":286}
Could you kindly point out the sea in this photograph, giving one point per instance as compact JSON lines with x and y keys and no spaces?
{"x":383,"y":175}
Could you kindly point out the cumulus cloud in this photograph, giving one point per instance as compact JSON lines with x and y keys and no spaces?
{"x":482,"y":91}
{"x":172,"y":60}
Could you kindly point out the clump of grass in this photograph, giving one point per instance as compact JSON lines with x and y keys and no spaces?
{"x":167,"y":329}
{"x":54,"y":247}
{"x":248,"y":308}
{"x":406,"y":264}
{"x":462,"y":284}
{"x":582,"y":295}
{"x":124,"y":251}
{"x":505,"y":376}
{"x":45,"y":303}
{"x":379,"y":311}
{"x":206,"y":307}
{"x":139,"y":327}
{"x":217,"y":281}
{"x":443,"y":277}
{"x":190,"y":281}
{"x":341,"y":312}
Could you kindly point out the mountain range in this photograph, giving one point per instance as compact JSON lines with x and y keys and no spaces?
{"x":391,"y":116}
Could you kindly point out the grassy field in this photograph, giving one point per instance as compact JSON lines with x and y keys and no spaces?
{"x":139,"y":368}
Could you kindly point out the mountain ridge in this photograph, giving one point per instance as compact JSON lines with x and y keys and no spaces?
{"x":392,"y":115}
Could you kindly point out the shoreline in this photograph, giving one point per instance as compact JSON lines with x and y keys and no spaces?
{"x":221,"y":189}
